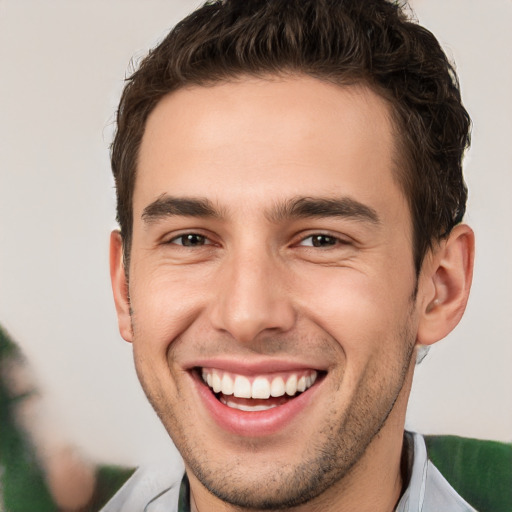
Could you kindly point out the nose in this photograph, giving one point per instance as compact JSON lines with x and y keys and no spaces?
{"x":252,"y":297}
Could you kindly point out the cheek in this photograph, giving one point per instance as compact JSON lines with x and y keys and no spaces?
{"x":164,"y":305}
{"x":365,"y":314}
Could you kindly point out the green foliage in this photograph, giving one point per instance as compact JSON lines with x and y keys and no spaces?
{"x":22,"y":484}
{"x":480,"y":471}
{"x":22,"y":481}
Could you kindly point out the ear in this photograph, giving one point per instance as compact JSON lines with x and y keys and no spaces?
{"x":120,"y":286}
{"x":445,"y":283}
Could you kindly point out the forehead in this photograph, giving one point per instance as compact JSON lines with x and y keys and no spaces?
{"x":271,"y":137}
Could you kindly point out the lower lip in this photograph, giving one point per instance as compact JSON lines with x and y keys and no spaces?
{"x":258,"y":423}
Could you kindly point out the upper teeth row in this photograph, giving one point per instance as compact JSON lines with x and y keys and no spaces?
{"x":261,"y":387}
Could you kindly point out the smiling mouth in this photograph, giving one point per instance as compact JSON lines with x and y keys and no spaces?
{"x":257,"y":393}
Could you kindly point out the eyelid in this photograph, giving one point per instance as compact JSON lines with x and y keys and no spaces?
{"x":171,"y":240}
{"x":206,"y":240}
{"x":340,"y":240}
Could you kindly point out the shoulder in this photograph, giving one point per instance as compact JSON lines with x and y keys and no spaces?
{"x":428,"y":490}
{"x":153,"y":488}
{"x":440,"y":495}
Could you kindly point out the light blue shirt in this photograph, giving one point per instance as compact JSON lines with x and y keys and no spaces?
{"x":157,"y":488}
{"x":428,"y":490}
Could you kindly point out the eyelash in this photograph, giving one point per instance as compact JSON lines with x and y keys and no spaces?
{"x":332,"y":240}
{"x":183,"y":236}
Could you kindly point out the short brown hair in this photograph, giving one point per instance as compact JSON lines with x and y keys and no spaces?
{"x":341,"y":41}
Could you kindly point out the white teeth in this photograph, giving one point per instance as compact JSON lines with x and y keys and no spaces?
{"x":277,"y":387}
{"x":242,"y":388}
{"x":227,"y":385}
{"x":291,"y":385}
{"x":261,"y":387}
{"x":216,"y":383}
{"x":247,"y":408}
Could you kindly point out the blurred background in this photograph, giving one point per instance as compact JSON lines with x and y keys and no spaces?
{"x":62,"y":65}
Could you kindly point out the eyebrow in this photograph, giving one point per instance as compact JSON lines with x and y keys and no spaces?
{"x":169,"y":206}
{"x":298,"y":207}
{"x":320,"y":207}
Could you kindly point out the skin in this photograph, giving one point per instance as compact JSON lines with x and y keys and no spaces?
{"x":260,"y":284}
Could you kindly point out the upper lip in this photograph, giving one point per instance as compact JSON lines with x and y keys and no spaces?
{"x":253,"y":367}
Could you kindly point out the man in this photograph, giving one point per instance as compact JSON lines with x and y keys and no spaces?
{"x":290,"y":199}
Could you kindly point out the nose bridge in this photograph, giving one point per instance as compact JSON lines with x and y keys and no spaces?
{"x":252,"y":294}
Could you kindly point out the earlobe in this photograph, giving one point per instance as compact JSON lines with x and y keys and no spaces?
{"x":447,"y":283}
{"x":120,"y":286}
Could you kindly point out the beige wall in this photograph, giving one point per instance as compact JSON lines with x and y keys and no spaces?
{"x":61,"y":70}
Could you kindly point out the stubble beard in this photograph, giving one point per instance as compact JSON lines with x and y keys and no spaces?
{"x":330,"y":457}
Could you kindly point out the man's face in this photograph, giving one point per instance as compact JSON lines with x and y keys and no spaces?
{"x":272,"y":246}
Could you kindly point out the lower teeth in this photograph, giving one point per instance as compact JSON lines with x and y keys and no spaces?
{"x":250,"y":404}
{"x":247,"y":408}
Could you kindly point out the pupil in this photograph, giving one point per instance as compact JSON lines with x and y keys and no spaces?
{"x":191,"y":240}
{"x":323,"y":240}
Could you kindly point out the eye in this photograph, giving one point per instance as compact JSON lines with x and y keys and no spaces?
{"x":320,"y":240}
{"x":190,"y":240}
